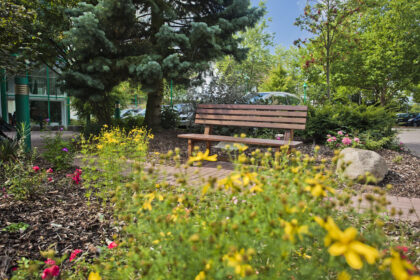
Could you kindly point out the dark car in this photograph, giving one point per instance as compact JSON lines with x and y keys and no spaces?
{"x":414,"y":121}
{"x":402,"y":118}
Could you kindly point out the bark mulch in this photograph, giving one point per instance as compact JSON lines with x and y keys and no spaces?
{"x":61,"y":219}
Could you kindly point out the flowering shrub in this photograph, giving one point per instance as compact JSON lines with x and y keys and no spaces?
{"x":342,"y":140}
{"x":59,"y":152}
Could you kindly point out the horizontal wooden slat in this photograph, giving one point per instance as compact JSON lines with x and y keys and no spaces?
{"x":249,"y":118}
{"x":253,"y":107}
{"x":251,"y":124}
{"x":252,"y":112}
{"x":249,"y":141}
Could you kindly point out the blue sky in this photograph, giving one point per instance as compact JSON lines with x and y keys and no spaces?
{"x":283,"y":14}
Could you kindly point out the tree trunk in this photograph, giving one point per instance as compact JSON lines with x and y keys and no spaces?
{"x":153,"y":107}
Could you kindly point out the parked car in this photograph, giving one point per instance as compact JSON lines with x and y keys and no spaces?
{"x":133,"y":113}
{"x":274,"y":98}
{"x":186,"y":113}
{"x":402,"y":118}
{"x":415,"y":121}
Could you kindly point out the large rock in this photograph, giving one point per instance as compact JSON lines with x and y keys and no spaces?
{"x":355,"y":164}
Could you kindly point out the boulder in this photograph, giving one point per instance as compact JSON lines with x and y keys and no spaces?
{"x":358,"y":164}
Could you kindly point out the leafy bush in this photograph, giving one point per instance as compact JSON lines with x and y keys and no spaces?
{"x":169,"y":117}
{"x":8,"y":149}
{"x":354,"y":119}
{"x":59,"y":152}
{"x":91,"y":129}
{"x":129,"y":123}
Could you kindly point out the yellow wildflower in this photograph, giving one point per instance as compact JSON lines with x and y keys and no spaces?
{"x":237,"y":261}
{"x":316,"y":186}
{"x":94,"y":276}
{"x":200,"y":156}
{"x":99,"y":146}
{"x":231,"y":182}
{"x":400,"y":266}
{"x":240,"y":147}
{"x":200,"y":276}
{"x":346,"y":245}
{"x":343,"y":276}
{"x":292,"y":228}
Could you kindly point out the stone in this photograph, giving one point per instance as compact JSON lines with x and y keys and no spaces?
{"x":361,"y":165}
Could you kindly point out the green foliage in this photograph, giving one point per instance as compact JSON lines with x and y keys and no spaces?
{"x":129,"y":123}
{"x":8,"y":149}
{"x":155,"y":40}
{"x":169,"y":117}
{"x":59,"y":152}
{"x":16,"y":227}
{"x":355,"y":119}
{"x":21,"y":178}
{"x":250,"y":72}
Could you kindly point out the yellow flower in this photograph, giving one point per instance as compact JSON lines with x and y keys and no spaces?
{"x":231,"y":182}
{"x":400,"y":266}
{"x":240,"y":147}
{"x":292,"y":228}
{"x":237,"y":261}
{"x":94,"y":276}
{"x":343,"y":276}
{"x":99,"y":146}
{"x":316,"y":186}
{"x":346,"y":245}
{"x":200,"y":156}
{"x":200,"y":276}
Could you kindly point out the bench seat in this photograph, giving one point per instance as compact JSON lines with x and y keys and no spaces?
{"x":248,"y":141}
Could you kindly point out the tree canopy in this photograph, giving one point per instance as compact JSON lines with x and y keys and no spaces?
{"x":149,"y":41}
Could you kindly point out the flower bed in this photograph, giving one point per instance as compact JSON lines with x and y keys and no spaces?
{"x":274,"y":217}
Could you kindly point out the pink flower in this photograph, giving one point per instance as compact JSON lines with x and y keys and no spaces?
{"x":65,"y":150}
{"x":50,"y":179}
{"x":79,"y":171}
{"x":334,"y":138}
{"x":112,"y":245}
{"x":357,"y":140}
{"x":35,"y":168}
{"x":76,"y":176}
{"x":50,"y":272}
{"x":74,"y":254}
{"x":346,"y":141}
{"x":402,"y":248}
{"x":329,"y":140}
{"x":50,"y":262}
{"x":50,"y":170}
{"x":340,"y":133}
{"x":329,"y":135}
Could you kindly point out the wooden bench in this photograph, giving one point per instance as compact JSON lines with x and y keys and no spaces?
{"x":285,"y":117}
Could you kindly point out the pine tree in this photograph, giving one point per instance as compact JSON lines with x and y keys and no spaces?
{"x":148,"y":41}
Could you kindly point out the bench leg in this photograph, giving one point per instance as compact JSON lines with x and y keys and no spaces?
{"x":190,"y":147}
{"x":208,"y":146}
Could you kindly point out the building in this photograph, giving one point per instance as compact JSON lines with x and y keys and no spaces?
{"x":46,"y":101}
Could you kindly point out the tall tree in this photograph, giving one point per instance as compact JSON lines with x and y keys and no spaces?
{"x":383,"y":56}
{"x":252,"y":71}
{"x":148,"y":41}
{"x":326,"y":20}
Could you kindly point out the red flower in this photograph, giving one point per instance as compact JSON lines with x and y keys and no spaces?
{"x":50,"y":272}
{"x":14,"y":268}
{"x":74,"y":254}
{"x":112,"y":245}
{"x":50,"y":179}
{"x":402,"y":248}
{"x":50,"y":262}
{"x":35,"y":168}
{"x":50,"y":170}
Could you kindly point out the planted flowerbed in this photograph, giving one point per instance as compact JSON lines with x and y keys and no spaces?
{"x":276,"y":216}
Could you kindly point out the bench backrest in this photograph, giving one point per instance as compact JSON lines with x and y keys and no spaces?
{"x":264,"y":116}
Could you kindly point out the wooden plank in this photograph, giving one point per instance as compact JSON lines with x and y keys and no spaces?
{"x":250,"y":141}
{"x":250,"y":118}
{"x":254,"y":107}
{"x":252,"y":112}
{"x":251,"y":124}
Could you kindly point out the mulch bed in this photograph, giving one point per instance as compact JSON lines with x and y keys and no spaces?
{"x":403,"y":174}
{"x":60,"y":219}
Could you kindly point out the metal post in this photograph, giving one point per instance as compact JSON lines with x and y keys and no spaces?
{"x":3,"y":97}
{"x":117,"y":110}
{"x":304,"y":92}
{"x":172,"y":104}
{"x":135,"y":100}
{"x":48,"y":94}
{"x":22,"y":110}
{"x":68,"y":111}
